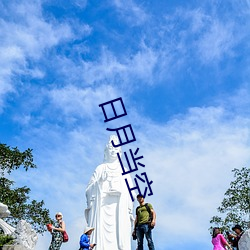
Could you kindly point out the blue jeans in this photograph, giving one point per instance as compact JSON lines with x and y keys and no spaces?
{"x":142,"y":230}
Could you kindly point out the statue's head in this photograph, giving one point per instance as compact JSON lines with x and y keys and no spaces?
{"x":110,"y":152}
{"x":4,"y":212}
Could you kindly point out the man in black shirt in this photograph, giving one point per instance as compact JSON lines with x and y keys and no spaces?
{"x":239,"y":231}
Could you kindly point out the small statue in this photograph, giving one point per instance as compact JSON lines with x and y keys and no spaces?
{"x":23,"y":234}
{"x":4,"y":212}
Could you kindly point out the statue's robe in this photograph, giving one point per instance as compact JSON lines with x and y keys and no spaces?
{"x":109,"y":208}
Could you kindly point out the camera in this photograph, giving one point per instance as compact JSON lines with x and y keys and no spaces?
{"x":134,"y":235}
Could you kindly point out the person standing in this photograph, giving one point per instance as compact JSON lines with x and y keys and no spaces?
{"x":56,"y":231}
{"x":85,"y":239}
{"x":239,"y":231}
{"x":218,"y":240}
{"x":142,"y":226}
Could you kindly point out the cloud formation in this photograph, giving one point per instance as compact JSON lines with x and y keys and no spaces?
{"x":183,"y":74}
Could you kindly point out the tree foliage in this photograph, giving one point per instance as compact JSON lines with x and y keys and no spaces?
{"x":235,"y":207}
{"x":11,"y":159}
{"x":6,"y":240}
{"x":17,"y":199}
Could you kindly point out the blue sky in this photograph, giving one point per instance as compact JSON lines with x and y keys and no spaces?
{"x":182,"y":70}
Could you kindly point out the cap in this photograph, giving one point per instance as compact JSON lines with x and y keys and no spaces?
{"x":237,"y":227}
{"x":139,"y":196}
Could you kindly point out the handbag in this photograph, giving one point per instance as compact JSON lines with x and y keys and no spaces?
{"x":65,"y":236}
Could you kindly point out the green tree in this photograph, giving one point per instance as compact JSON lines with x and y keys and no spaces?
{"x":235,"y":207}
{"x":17,"y":199}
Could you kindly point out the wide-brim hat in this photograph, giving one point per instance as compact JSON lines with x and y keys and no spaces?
{"x":237,"y":227}
{"x":87,"y":229}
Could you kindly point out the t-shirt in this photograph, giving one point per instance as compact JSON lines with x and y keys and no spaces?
{"x":142,"y":214}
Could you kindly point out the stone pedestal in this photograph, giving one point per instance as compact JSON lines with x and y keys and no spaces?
{"x":13,"y":247}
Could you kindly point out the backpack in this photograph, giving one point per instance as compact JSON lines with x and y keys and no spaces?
{"x":150,"y":218}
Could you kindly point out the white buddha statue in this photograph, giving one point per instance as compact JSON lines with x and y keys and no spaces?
{"x":109,"y":206}
{"x":244,"y":242}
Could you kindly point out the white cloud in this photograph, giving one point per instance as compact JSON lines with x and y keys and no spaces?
{"x":105,"y":69}
{"x":31,"y":33}
{"x":25,"y":36}
{"x":131,"y":12}
{"x":81,"y":102}
{"x":198,"y":33}
{"x":123,"y":71}
{"x":240,"y":101}
{"x":142,"y":64}
{"x":194,"y":155}
{"x":189,"y":158}
{"x":80,"y":3}
{"x":198,"y":19}
{"x":217,"y":42}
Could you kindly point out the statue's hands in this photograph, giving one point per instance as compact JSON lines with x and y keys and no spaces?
{"x":91,"y":202}
{"x":131,"y":217}
{"x":104,"y":175}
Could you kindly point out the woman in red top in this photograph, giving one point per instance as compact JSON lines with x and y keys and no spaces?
{"x":218,"y":240}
